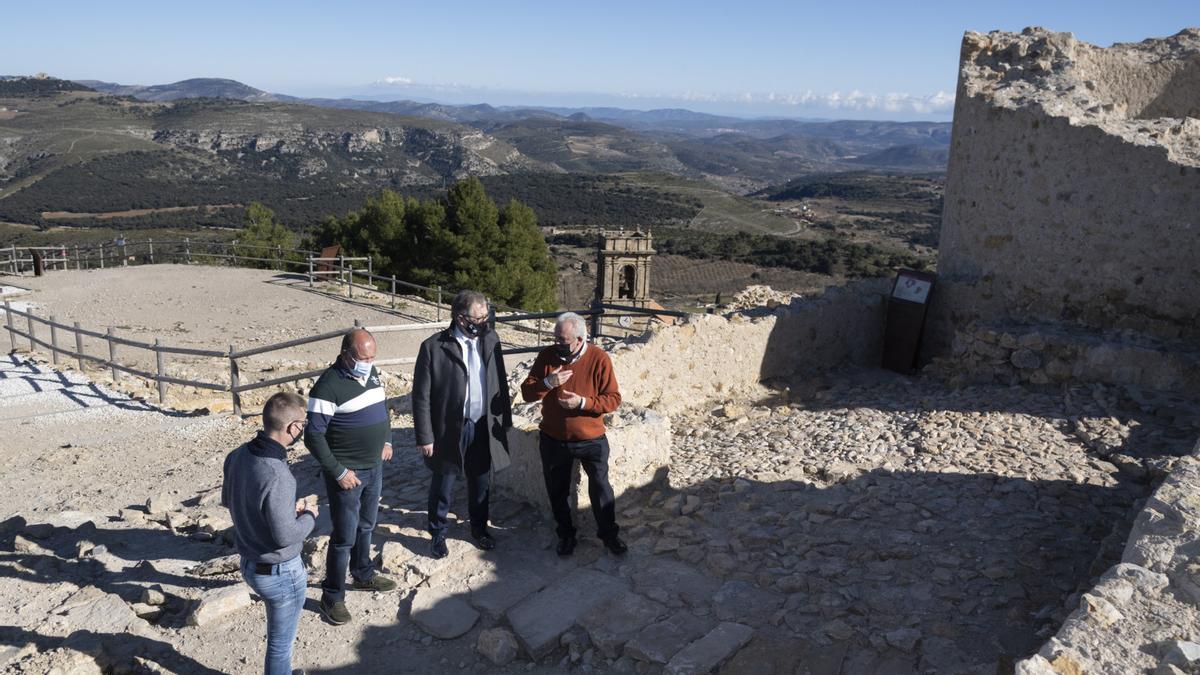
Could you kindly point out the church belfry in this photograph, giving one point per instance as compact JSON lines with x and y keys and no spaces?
{"x":623,"y":268}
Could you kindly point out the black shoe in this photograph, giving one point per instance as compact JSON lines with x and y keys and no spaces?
{"x":438,"y":548}
{"x":566,"y":546}
{"x":615,"y":545}
{"x":336,"y":612}
{"x":483,"y":540}
{"x":378,"y":582}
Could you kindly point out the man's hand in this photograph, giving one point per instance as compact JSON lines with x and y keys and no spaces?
{"x":349,"y":481}
{"x":426,"y":450}
{"x":387,"y":452}
{"x":305,"y":504}
{"x":570,"y":400}
{"x":558,"y":377}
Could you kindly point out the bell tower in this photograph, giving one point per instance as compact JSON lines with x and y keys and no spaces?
{"x":623,"y":266}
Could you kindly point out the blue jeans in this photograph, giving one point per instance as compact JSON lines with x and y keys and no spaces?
{"x":353,"y":512}
{"x":283,"y":594}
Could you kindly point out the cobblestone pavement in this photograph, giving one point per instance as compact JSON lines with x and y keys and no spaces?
{"x":869,"y":524}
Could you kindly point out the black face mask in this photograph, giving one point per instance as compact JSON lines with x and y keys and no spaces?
{"x":474,"y":329}
{"x":564,"y":352}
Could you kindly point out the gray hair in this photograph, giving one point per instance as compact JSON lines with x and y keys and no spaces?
{"x":464,"y":300}
{"x":576,"y":322}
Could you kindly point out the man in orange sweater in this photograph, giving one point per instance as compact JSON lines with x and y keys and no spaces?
{"x":576,"y":385}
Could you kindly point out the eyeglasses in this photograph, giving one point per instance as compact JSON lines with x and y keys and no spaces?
{"x":475,"y":319}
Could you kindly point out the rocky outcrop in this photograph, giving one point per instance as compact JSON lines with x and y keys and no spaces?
{"x":451,"y":152}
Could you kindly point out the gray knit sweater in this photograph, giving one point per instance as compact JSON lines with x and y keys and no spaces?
{"x":260,"y":493}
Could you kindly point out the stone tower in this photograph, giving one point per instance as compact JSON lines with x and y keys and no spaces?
{"x":623,"y":268}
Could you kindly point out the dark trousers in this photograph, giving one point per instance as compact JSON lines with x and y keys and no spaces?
{"x":557,"y":460}
{"x":353,"y":512}
{"x":473,"y":441}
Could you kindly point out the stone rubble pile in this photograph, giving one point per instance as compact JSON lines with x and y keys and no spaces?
{"x":759,"y":296}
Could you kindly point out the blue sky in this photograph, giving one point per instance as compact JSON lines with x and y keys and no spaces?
{"x":751,"y":57}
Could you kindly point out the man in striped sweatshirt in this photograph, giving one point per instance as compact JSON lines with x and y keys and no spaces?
{"x":349,"y":433}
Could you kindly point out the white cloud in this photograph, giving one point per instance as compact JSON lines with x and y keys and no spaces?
{"x":395,"y":79}
{"x":853,"y":100}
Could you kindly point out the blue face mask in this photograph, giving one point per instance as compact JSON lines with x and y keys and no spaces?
{"x":361,"y":369}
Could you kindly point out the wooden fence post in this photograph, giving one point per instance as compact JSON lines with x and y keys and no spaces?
{"x":54,"y":340}
{"x":393,"y":291}
{"x":62,"y":256}
{"x":278,"y":257}
{"x":29,"y":322}
{"x":12,"y":332}
{"x":187,"y":249}
{"x":235,"y":381}
{"x":350,"y":286}
{"x":78,"y":260}
{"x":112,"y":355}
{"x":310,"y":271}
{"x":439,"y":304}
{"x":341,"y":268}
{"x":150,"y":241}
{"x":101,"y":256}
{"x":79,"y":346}
{"x":162,"y":385}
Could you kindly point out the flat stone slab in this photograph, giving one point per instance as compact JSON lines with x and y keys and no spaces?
{"x":705,"y":654}
{"x":612,"y":623}
{"x":745,"y":602}
{"x":218,"y":604}
{"x":93,"y":611}
{"x":493,"y":593}
{"x":658,"y":642}
{"x":461,"y":559}
{"x":442,"y":615}
{"x":673,"y":583}
{"x":541,"y":619}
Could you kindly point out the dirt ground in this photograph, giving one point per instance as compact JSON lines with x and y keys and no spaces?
{"x":218,"y":308}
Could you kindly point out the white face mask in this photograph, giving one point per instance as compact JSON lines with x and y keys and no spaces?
{"x":361,"y":369}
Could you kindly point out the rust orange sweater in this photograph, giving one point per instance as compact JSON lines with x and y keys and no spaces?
{"x":593,"y":379}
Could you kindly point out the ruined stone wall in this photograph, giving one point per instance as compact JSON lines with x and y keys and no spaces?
{"x":710,"y":357}
{"x":706,"y":360}
{"x":1073,"y":197}
{"x":1132,"y":619}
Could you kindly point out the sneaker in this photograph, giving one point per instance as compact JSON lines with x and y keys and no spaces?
{"x":437,"y":547}
{"x":335,"y":612}
{"x":378,"y":582}
{"x":566,"y":546}
{"x":615,"y":545}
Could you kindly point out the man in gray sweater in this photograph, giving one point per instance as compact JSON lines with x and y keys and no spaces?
{"x":270,"y":524}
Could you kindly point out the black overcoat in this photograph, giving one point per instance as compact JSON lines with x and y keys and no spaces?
{"x":439,"y":387}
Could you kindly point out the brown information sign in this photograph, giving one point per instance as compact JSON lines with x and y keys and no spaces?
{"x":906,"y":319}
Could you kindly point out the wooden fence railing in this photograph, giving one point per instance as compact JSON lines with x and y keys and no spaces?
{"x":340,"y":270}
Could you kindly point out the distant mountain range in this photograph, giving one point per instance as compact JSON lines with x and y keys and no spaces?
{"x":62,"y":140}
{"x":741,"y":155}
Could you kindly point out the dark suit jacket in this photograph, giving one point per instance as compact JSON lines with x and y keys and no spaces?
{"x":439,"y":387}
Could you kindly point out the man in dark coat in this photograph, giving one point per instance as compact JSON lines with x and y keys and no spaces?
{"x":461,"y":414}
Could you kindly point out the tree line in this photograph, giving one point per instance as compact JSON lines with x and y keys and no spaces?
{"x":459,"y":240}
